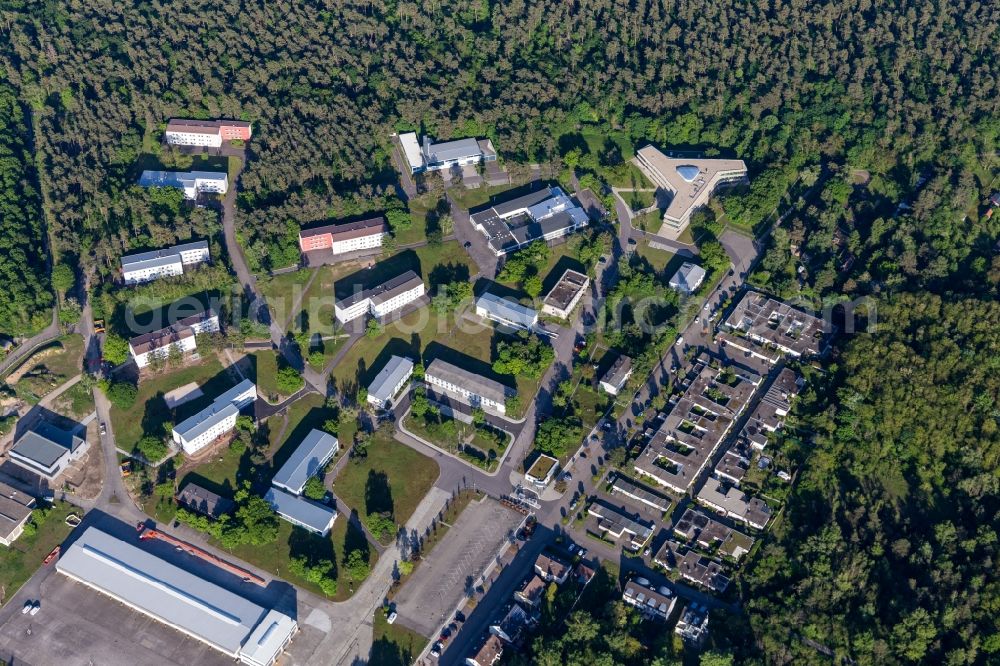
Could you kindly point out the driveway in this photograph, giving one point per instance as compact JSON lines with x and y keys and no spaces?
{"x":473,"y":241}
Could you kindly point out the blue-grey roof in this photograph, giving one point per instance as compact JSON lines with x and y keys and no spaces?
{"x":301,"y":511}
{"x":306,"y":460}
{"x":220,"y":409}
{"x":688,"y":277}
{"x":154,"y":258}
{"x":507,"y":310}
{"x":46,"y":444}
{"x":453,"y":150}
{"x":166,"y":592}
{"x":388,"y":377}
{"x":688,"y":172}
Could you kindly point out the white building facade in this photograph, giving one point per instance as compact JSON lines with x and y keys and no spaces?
{"x":170,"y":261}
{"x":192,"y":183}
{"x":219,"y":418}
{"x":382,"y":300}
{"x":181,"y":336}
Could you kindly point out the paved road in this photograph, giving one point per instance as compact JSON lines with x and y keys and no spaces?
{"x":473,"y":241}
{"x":50,"y":332}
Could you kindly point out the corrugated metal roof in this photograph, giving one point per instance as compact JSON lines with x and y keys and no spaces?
{"x":166,"y":592}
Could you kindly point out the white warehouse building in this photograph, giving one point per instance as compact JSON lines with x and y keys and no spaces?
{"x":176,"y":597}
{"x":195,"y":433}
{"x":146,"y":266}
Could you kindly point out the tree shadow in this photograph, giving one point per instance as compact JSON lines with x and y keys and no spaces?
{"x":355,"y":538}
{"x":378,"y":493}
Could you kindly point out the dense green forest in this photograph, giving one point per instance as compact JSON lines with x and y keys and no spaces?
{"x":26,"y":297}
{"x":891,"y":87}
{"x":888,"y":552}
{"x":887,"y":549}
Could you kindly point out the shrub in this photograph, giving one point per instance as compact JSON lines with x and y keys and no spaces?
{"x":315,"y":490}
{"x":122,"y":394}
{"x":152,"y":448}
{"x":288,"y":380}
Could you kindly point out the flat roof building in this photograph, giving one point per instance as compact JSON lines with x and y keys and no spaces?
{"x":306,"y":461}
{"x":468,"y":387}
{"x":507,"y":312}
{"x":566,"y":294}
{"x":47,"y":451}
{"x":204,"y":501}
{"x":180,"y":335}
{"x":693,"y":625}
{"x":691,"y":181}
{"x":640,"y":493}
{"x":389,"y":381}
{"x":178,"y":598}
{"x":170,"y":261}
{"x":194,"y":433}
{"x":309,"y":515}
{"x":15,"y":511}
{"x":758,"y":320}
{"x":381,"y":300}
{"x":192,"y":183}
{"x":343,"y":238}
{"x":700,"y":528}
{"x":688,"y":278}
{"x":544,"y":215}
{"x":618,"y":522}
{"x":614,"y":379}
{"x":430,"y":156}
{"x":697,"y":424}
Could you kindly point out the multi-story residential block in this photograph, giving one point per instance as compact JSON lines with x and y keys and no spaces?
{"x":614,"y":379}
{"x":759,"y":322}
{"x":653,"y":603}
{"x":198,"y":431}
{"x":552,"y":569}
{"x":180,"y":336}
{"x":691,"y":181}
{"x":192,"y":183}
{"x":389,"y":381}
{"x":441,"y":156}
{"x":616,"y":523}
{"x":543,"y":215}
{"x":468,"y":387}
{"x":146,"y":266}
{"x":623,"y":485}
{"x":307,"y":460}
{"x":183,"y":132}
{"x":708,"y":533}
{"x":507,"y":312}
{"x":696,"y":425}
{"x":343,"y":238}
{"x":732,"y":502}
{"x":381,"y":300}
{"x":566,"y":294}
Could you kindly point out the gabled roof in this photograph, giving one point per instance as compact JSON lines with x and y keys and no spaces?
{"x":507,"y":310}
{"x":481,"y":386}
{"x":306,"y":461}
{"x":349,"y":230}
{"x":177,"y":331}
{"x":395,"y":369}
{"x":319,"y":518}
{"x":153,"y":258}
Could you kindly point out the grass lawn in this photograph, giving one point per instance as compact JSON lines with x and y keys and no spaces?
{"x":650,"y":222}
{"x":489,"y":448}
{"x":639,"y":199}
{"x":394,"y":644}
{"x":281,"y":291}
{"x":76,"y":402}
{"x":627,"y":174}
{"x":391,"y":478}
{"x":264,"y":373}
{"x":478,"y":197}
{"x":150,"y":414}
{"x":221,"y":472}
{"x":595,"y":141}
{"x":658,"y":259}
{"x":20,"y":560}
{"x":591,"y":404}
{"x":294,"y":541}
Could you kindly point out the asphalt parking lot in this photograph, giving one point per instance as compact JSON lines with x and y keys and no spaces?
{"x":78,"y":625}
{"x":432,"y":594}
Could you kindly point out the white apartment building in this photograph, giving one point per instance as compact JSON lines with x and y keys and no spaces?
{"x":692,"y":182}
{"x":192,"y":183}
{"x":195,"y":433}
{"x":210,"y":133}
{"x":468,"y":387}
{"x":181,"y":336}
{"x":147,"y":266}
{"x":382,"y":300}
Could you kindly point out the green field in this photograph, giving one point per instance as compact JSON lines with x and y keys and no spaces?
{"x":394,"y":644}
{"x":392,"y":478}
{"x":477,"y":197}
{"x":149,"y":414}
{"x":639,"y":199}
{"x":24,"y":556}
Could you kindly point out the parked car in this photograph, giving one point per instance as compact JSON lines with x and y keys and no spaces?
{"x":104,"y":428}
{"x":37,"y":606}
{"x":392,"y":617}
{"x":27,"y":607}
{"x":436,"y":650}
{"x":468,"y":244}
{"x":680,"y":341}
